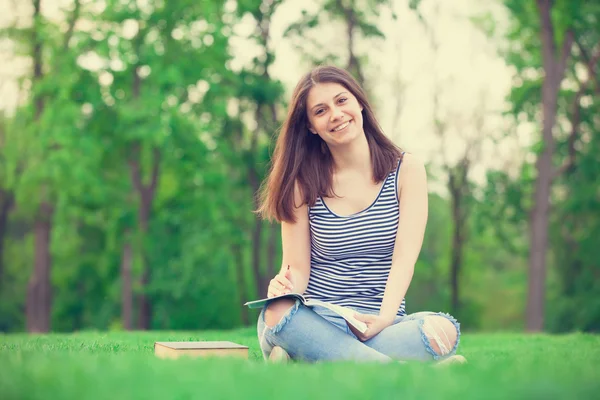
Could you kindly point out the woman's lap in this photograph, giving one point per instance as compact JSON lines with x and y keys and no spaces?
{"x":307,"y":336}
{"x":321,"y":335}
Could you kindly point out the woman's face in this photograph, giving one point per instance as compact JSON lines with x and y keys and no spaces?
{"x":334,"y":113}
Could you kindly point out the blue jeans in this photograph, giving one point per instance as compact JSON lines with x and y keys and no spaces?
{"x":318,"y":334}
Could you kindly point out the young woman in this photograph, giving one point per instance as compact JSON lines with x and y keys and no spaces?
{"x":353,"y":210}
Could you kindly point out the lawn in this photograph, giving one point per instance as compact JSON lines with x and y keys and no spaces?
{"x":98,"y":365}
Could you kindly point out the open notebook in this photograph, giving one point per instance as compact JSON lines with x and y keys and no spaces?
{"x":344,"y":312}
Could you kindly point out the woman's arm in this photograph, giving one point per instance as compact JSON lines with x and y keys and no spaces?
{"x":295,"y":238}
{"x":412,"y":190}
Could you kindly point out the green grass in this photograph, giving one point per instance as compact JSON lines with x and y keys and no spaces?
{"x":96,"y":365}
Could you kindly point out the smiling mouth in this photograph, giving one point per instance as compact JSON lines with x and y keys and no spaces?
{"x":341,"y":127}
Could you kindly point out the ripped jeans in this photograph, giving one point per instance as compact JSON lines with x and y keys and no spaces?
{"x":318,"y":334}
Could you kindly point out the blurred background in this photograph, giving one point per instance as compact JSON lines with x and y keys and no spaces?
{"x":134,"y":135}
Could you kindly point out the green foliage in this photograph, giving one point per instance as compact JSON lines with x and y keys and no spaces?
{"x":192,"y":110}
{"x":574,"y":227}
{"x":429,"y":288}
{"x":573,"y":220}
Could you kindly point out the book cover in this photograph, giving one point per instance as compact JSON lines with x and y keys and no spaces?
{"x":200,"y":349}
{"x":262,"y":302}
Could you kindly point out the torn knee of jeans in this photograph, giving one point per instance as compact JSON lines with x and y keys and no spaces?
{"x":285,"y":318}
{"x":432,"y":332}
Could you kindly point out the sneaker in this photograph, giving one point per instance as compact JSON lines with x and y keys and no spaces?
{"x":279,"y":356}
{"x":455,"y":359}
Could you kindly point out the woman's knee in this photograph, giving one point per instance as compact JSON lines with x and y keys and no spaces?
{"x":441,"y":333}
{"x":276,"y":310}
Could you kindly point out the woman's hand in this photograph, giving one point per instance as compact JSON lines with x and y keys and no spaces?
{"x":375,"y":324}
{"x":281,"y":284}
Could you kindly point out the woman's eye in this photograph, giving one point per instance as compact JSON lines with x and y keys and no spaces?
{"x":319,"y":111}
{"x":343,"y":100}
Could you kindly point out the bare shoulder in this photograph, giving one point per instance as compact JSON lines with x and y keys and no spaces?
{"x":412,"y":171}
{"x":411,"y":164}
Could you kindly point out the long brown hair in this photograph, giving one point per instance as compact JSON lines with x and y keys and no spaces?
{"x":304,"y":158}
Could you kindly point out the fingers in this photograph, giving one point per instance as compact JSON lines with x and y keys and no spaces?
{"x":360,"y":336}
{"x":275,"y":293}
{"x":283,"y":281}
{"x":278,"y":286}
{"x":369,"y":320}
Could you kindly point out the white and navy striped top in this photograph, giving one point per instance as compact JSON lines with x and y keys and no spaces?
{"x":351,"y":256}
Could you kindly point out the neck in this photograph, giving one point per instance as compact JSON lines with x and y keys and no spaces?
{"x":353,"y":157}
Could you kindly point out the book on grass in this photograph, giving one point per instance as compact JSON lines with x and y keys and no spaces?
{"x":200,"y":349}
{"x":344,"y":312}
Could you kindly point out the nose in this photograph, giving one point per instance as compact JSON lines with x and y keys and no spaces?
{"x":336,"y":113}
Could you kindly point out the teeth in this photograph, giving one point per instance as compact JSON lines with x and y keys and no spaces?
{"x":339,"y":128}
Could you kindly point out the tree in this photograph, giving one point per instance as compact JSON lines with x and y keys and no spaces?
{"x":574,"y":223}
{"x":357,"y":19}
{"x":553,"y":27}
{"x":147,"y":97}
{"x":554,"y":62}
{"x":6,"y":195}
{"x":42,"y":122}
{"x":453,"y":126}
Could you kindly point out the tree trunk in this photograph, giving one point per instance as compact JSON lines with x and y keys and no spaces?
{"x":39,"y":291}
{"x":457,"y":185}
{"x":39,"y":295}
{"x":146,"y":197}
{"x":241,"y":282}
{"x":126,"y":283}
{"x":554,"y":69}
{"x":6,"y":203}
{"x":262,"y":281}
{"x":539,"y":224}
{"x":37,"y":58}
{"x":254,"y":179}
{"x":456,"y":258}
{"x":144,"y":303}
{"x":261,"y":284}
{"x":145,"y":308}
{"x":354,"y":66}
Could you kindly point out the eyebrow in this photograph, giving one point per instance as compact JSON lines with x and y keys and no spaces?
{"x":321,"y":104}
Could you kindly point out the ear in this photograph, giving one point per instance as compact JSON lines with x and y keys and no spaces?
{"x":310,"y":128}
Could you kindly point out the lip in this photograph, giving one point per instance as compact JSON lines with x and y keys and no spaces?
{"x":347,"y":122}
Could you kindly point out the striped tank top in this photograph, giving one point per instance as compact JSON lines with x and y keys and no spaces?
{"x":351,"y":256}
